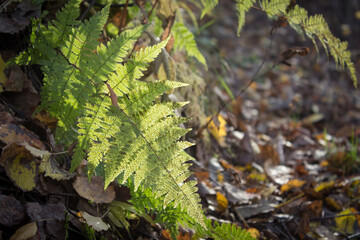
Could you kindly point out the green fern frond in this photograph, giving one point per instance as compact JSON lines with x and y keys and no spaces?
{"x":208,"y":6}
{"x":73,"y":75}
{"x":242,"y":7}
{"x":184,"y":39}
{"x":122,"y":81}
{"x":224,"y":231}
{"x":131,"y":136}
{"x":297,"y":15}
{"x":316,"y":28}
{"x":93,"y":123}
{"x":145,"y":202}
{"x":154,"y":154}
{"x":65,"y":20}
{"x":274,"y":7}
{"x":44,"y":39}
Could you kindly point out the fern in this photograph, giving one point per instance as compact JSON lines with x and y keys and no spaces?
{"x":242,"y":6}
{"x":184,"y":39}
{"x":224,"y":231}
{"x":314,"y":27}
{"x":274,"y":7}
{"x":131,"y":136}
{"x":209,"y":5}
{"x":44,"y":39}
{"x":144,"y":201}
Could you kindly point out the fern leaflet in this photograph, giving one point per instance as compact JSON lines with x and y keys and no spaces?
{"x":184,"y":39}
{"x":209,"y":5}
{"x":242,"y":6}
{"x":274,"y":7}
{"x":224,"y":231}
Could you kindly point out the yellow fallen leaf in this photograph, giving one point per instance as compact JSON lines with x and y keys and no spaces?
{"x":45,"y":117}
{"x":222,"y":201}
{"x":257,"y":177}
{"x":324,"y":163}
{"x":357,"y":14}
{"x":331,"y":202}
{"x":220,"y":177}
{"x":254,"y":232}
{"x":293,"y":183}
{"x":323,"y":185}
{"x":345,"y":224}
{"x":218,"y":131}
{"x":51,"y":168}
{"x":20,"y":166}
{"x":25,"y":232}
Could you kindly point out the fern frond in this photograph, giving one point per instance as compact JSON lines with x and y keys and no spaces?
{"x":274,"y":7}
{"x":145,"y":201}
{"x":140,"y":138}
{"x":152,"y":150}
{"x":224,"y":231}
{"x":297,"y":15}
{"x":122,"y":80}
{"x":87,"y":68}
{"x":316,"y":28}
{"x":70,"y":74}
{"x":60,"y":31}
{"x":184,"y":39}
{"x":93,"y":124}
{"x":242,"y":7}
{"x":154,"y":154}
{"x":208,"y":6}
{"x":44,"y":40}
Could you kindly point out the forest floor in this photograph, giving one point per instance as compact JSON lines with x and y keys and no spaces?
{"x":287,"y":157}
{"x":281,"y":158}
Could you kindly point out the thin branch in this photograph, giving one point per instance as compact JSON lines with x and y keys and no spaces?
{"x":87,"y":10}
{"x":152,"y":8}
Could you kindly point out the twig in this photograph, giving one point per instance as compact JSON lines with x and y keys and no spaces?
{"x":334,"y":216}
{"x":355,"y":235}
{"x":115,"y":5}
{"x":87,"y":10}
{"x":243,"y":220}
{"x":254,"y":79}
{"x":152,"y":8}
{"x":290,"y":200}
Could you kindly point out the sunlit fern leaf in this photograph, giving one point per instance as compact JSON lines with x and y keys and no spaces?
{"x":297,"y":15}
{"x":44,"y":39}
{"x":208,"y":6}
{"x":75,"y":78}
{"x":105,"y":63}
{"x":128,"y":133}
{"x":316,"y":28}
{"x":274,"y":7}
{"x":184,"y":39}
{"x":153,"y":153}
{"x":65,"y":20}
{"x":123,"y":82}
{"x":224,"y":231}
{"x":170,"y":216}
{"x":242,"y":7}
